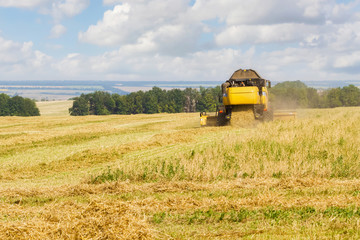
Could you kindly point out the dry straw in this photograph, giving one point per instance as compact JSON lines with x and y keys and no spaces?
{"x":99,"y":219}
{"x":242,"y":116}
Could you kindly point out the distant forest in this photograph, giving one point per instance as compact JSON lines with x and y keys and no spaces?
{"x":290,"y":94}
{"x":153,"y":101}
{"x":296,"y":94}
{"x":17,"y":106}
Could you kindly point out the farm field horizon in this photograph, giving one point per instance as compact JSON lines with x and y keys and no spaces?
{"x":67,"y":89}
{"x":162,"y":176}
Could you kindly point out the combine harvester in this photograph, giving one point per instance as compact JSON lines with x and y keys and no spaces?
{"x":245,"y":98}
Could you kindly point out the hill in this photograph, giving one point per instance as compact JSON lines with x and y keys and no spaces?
{"x":54,"y":108}
{"x":161,"y":176}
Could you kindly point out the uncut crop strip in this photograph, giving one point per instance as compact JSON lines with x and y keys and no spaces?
{"x":170,"y":160}
{"x":169,"y":150}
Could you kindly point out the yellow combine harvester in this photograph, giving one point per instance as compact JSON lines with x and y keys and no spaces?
{"x":245,"y":98}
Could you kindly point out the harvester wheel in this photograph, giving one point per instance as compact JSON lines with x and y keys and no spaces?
{"x":221,"y":119}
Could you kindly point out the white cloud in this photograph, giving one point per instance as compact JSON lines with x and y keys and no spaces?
{"x":264,"y":34}
{"x":20,"y":60}
{"x":67,"y":8}
{"x":116,"y":2}
{"x":58,"y":9}
{"x":261,"y":12}
{"x":15,"y":53}
{"x":23,"y":3}
{"x":57,"y":31}
{"x":348,"y":61}
{"x":127,"y":22}
{"x":314,"y":8}
{"x":171,"y":40}
{"x":112,"y":2}
{"x":146,"y":26}
{"x":344,"y":37}
{"x":138,"y":24}
{"x":111,"y":30}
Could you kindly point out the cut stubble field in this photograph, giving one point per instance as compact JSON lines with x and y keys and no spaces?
{"x":161,"y":176}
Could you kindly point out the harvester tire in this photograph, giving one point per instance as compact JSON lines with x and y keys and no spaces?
{"x":221,"y":119}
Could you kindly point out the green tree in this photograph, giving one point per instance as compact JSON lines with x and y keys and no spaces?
{"x":101,"y":103}
{"x":313,"y":98}
{"x":289,"y":94}
{"x":162,"y":99}
{"x":135,"y":102}
{"x":121,"y":106}
{"x":176,"y":99}
{"x":138,"y":103}
{"x":150,"y":104}
{"x":191,"y":98}
{"x":217,"y":94}
{"x":207,"y":100}
{"x":30,"y":108}
{"x":4,"y":105}
{"x":333,"y":98}
{"x":350,"y":96}
{"x":17,"y":106}
{"x":80,"y":106}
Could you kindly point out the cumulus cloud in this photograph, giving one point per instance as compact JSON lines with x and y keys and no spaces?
{"x":156,"y":25}
{"x":344,"y":37}
{"x":174,"y":40}
{"x":22,"y":3}
{"x":133,"y":24}
{"x":192,"y":66}
{"x":264,"y":34}
{"x":112,"y":2}
{"x":57,"y":31}
{"x":67,"y":8}
{"x":57,"y":8}
{"x":18,"y":60}
{"x":111,"y":29}
{"x":348,"y":61}
{"x":260,"y":12}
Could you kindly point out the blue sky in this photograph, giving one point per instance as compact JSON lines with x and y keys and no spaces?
{"x":179,"y":39}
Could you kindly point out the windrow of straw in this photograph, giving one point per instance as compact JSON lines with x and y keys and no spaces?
{"x":99,"y":219}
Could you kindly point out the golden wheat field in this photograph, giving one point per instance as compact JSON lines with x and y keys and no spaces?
{"x":161,"y":176}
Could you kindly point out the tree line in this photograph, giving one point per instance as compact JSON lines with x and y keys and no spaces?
{"x":290,"y":94}
{"x":156,"y":100}
{"x":295,"y":94}
{"x":17,"y":106}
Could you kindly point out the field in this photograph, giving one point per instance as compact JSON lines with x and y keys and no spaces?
{"x":161,"y":176}
{"x":54,"y":108}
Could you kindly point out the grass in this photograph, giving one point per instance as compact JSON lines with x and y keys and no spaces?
{"x":161,"y":176}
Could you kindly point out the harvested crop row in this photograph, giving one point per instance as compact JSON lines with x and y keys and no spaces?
{"x":67,"y":220}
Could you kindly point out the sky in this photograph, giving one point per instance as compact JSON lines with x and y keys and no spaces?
{"x":179,"y":40}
